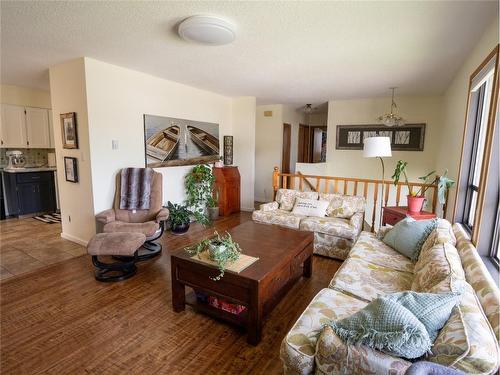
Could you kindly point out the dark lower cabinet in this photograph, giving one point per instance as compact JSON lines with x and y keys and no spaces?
{"x":28,"y":193}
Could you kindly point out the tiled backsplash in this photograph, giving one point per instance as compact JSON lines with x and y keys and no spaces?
{"x":37,"y":156}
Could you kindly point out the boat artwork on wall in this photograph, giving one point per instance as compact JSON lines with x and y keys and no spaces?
{"x":172,"y":141}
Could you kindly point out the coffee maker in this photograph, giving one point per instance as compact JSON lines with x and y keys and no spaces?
{"x":16,"y":159}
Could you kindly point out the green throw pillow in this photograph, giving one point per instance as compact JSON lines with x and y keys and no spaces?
{"x":401,"y":324}
{"x":408,"y":236}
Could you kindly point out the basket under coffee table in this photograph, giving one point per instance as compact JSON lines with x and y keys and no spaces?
{"x":284,"y":255}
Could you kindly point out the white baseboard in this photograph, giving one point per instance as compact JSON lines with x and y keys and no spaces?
{"x":259,"y":199}
{"x":71,"y":238}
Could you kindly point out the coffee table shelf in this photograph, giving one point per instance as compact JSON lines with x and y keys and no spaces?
{"x":205,"y":308}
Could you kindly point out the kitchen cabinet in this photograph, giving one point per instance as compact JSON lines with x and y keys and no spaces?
{"x":13,"y":127}
{"x":30,"y":192}
{"x":24,"y":127}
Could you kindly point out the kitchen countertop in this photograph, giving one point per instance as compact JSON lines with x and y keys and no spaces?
{"x":30,"y":169}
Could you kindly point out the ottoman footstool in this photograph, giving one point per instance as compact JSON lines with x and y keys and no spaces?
{"x":123,"y":244}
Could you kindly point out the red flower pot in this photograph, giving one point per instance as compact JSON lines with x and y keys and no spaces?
{"x":415,"y":203}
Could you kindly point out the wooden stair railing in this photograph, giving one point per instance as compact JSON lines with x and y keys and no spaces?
{"x":368,"y":188}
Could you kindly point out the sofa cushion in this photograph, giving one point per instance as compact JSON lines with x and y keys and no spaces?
{"x":408,"y":236}
{"x":333,"y":357}
{"x":343,"y":206}
{"x":329,"y":225}
{"x":370,"y":249}
{"x":299,"y":345}
{"x":332,"y":246}
{"x":309,"y":207}
{"x":434,"y":265}
{"x":481,"y":281}
{"x":443,"y":233}
{"x":467,"y":342}
{"x":286,"y":197}
{"x":279,"y":217}
{"x":368,"y":281}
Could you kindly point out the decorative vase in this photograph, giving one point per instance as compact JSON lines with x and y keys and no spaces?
{"x":415,"y":203}
{"x":219,"y":164}
{"x":228,"y":149}
{"x":179,"y":228}
{"x":213,"y":213}
{"x":215,"y":249}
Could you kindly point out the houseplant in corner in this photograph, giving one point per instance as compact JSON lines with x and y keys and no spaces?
{"x":198,"y":183}
{"x":220,"y":249}
{"x":179,"y":218}
{"x":213,"y":205}
{"x":416,"y":198}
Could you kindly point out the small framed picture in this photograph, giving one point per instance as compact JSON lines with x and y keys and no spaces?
{"x":68,"y":130}
{"x":71,"y":169}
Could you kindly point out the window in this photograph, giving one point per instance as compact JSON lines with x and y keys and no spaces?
{"x":480,"y":103}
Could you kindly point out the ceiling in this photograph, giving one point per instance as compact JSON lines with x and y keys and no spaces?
{"x":285,"y":52}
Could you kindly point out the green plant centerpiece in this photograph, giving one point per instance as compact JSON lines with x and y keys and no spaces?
{"x":223,"y":250}
{"x":180,"y":217}
{"x":443,"y":182}
{"x":198,"y":183}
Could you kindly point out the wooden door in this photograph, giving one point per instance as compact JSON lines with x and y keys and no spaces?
{"x":13,"y":127}
{"x":285,"y":156}
{"x":303,"y":155}
{"x":37,"y":127}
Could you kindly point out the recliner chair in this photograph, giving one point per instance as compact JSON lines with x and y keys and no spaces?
{"x":150,"y":222}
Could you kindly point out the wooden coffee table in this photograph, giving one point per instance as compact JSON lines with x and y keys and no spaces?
{"x":284,"y":255}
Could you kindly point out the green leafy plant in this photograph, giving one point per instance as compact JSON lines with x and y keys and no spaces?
{"x":179,"y":214}
{"x":198,"y":185}
{"x":226,"y":251}
{"x":213,"y":200}
{"x":443,"y":182}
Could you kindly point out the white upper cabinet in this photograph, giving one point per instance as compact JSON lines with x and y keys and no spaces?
{"x":13,"y":127}
{"x":52,"y":143}
{"x":37,"y":127}
{"x":25,"y":127}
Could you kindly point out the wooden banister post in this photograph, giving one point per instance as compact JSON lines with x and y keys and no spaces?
{"x":276,"y":181}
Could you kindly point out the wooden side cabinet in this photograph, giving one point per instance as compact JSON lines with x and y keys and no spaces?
{"x":227,"y":182}
{"x":392,"y":215}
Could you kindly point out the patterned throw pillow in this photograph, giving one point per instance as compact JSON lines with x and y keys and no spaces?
{"x":408,"y":235}
{"x":286,"y":197}
{"x":343,"y":206}
{"x":443,"y":233}
{"x":401,"y":324}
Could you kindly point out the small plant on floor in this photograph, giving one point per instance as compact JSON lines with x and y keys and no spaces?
{"x":198,"y":185}
{"x":179,"y":217}
{"x":221,"y":249}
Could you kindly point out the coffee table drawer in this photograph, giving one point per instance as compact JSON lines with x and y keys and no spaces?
{"x":299,"y":259}
{"x":279,"y":280}
{"x":223,"y":287}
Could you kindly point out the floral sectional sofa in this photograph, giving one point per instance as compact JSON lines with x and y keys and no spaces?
{"x":334,"y":235}
{"x":448,"y":262}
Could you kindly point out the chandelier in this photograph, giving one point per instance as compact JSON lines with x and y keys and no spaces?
{"x":392,"y":119}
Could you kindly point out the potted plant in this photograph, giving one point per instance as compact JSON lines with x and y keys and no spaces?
{"x":198,"y":183}
{"x":180,"y":218}
{"x":220,"y":249}
{"x":416,"y":198}
{"x":213,"y":205}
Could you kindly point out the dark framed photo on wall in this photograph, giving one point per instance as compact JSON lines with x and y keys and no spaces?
{"x":69,"y":130}
{"x":71,"y":169}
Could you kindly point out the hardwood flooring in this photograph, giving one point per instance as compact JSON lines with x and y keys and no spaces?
{"x":28,"y":244}
{"x":60,"y":320}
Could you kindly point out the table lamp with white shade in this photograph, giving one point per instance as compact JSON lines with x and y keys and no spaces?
{"x":378,"y":147}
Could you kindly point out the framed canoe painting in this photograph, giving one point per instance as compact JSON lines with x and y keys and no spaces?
{"x":172,"y":141}
{"x":409,"y":137}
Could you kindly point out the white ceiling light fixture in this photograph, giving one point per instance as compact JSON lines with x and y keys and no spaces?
{"x":308,"y":108}
{"x":210,"y":30}
{"x":392,"y":119}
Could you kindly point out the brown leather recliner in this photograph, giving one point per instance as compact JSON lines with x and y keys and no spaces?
{"x":150,"y":222}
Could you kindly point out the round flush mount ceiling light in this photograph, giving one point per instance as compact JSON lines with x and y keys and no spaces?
{"x":208,"y":30}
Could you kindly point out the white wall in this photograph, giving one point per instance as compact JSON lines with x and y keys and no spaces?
{"x":244,"y":112}
{"x":350,"y":163}
{"x":68,"y":94}
{"x":454,"y":108}
{"x":293,"y":117}
{"x":17,"y":95}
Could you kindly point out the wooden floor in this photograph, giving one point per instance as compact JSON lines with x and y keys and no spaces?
{"x":59,"y":320}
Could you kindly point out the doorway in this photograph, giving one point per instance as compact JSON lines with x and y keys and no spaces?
{"x":285,"y":156}
{"x":312,"y":144}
